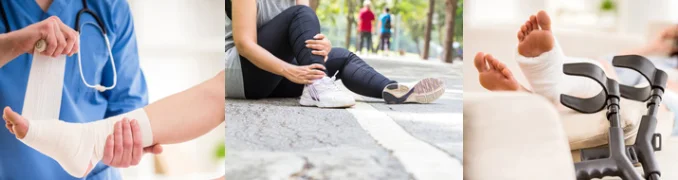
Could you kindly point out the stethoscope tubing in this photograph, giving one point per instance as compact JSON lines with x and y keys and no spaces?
{"x":99,"y":87}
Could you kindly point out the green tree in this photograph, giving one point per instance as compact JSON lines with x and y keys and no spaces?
{"x":339,"y":20}
{"x":429,"y":28}
{"x":350,"y":20}
{"x":410,"y":12}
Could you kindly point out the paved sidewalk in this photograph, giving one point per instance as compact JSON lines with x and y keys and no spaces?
{"x":278,"y":139}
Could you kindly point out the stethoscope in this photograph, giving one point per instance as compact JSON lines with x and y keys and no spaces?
{"x":98,"y":25}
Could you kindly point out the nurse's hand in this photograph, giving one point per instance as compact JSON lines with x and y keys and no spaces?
{"x":60,"y":38}
{"x":124,"y":147}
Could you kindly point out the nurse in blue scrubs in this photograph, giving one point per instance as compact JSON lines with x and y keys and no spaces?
{"x":79,"y":103}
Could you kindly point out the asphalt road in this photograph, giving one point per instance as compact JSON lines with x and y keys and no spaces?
{"x":279,"y":139}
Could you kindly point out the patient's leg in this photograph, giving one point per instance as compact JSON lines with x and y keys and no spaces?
{"x":541,"y":60}
{"x":78,"y":146}
{"x":535,"y":39}
{"x":539,"y":57}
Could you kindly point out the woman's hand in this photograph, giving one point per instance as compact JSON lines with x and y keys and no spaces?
{"x":321,"y":45}
{"x":303,"y":74}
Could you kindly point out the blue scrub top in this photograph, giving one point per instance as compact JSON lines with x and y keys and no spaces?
{"x":79,"y":103}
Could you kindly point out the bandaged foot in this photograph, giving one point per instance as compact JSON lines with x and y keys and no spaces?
{"x":539,"y":57}
{"x":541,"y":60}
{"x":77,"y":147}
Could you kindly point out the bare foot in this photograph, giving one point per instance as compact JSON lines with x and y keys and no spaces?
{"x":15,"y":123}
{"x":494,"y":75}
{"x":535,"y":36}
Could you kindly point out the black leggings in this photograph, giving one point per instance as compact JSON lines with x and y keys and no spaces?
{"x":284,"y":36}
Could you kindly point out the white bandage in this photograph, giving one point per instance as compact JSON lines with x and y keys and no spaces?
{"x":75,"y":145}
{"x":545,"y":75}
{"x":45,"y":85}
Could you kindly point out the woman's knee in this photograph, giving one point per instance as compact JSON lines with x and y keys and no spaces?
{"x":343,"y":56}
{"x":339,"y":52}
{"x":301,"y":15}
{"x":301,"y":10}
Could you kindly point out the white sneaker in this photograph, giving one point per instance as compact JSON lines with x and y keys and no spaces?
{"x":325,"y":94}
{"x":425,"y":91}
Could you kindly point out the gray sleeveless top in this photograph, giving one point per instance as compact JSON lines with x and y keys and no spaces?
{"x":266,"y":10}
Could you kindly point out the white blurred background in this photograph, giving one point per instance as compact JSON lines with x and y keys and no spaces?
{"x":583,"y":28}
{"x":181,"y":43}
{"x":591,"y":29}
{"x":628,"y":17}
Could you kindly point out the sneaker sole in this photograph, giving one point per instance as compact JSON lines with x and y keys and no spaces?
{"x":424,"y":92}
{"x":312,"y":103}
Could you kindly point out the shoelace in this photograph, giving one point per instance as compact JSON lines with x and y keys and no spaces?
{"x":326,"y":84}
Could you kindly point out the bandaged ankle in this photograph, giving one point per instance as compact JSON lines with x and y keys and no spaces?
{"x":75,"y":145}
{"x":544,"y":72}
{"x":545,"y":75}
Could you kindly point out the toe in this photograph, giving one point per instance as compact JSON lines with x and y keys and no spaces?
{"x":479,"y":62}
{"x":10,"y":115}
{"x":521,"y":36}
{"x":528,"y":26}
{"x":9,"y":127}
{"x":491,"y":64}
{"x":544,"y":20}
{"x":6,"y":114}
{"x":533,"y":22}
{"x":507,"y":73}
{"x":495,"y":63}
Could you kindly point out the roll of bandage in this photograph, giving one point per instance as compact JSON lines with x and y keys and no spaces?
{"x":45,"y":85}
{"x":40,"y":46}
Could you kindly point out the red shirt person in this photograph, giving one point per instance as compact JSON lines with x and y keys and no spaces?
{"x":365,"y":26}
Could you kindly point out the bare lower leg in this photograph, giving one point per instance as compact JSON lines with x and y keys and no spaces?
{"x":663,"y":44}
{"x":195,"y":111}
